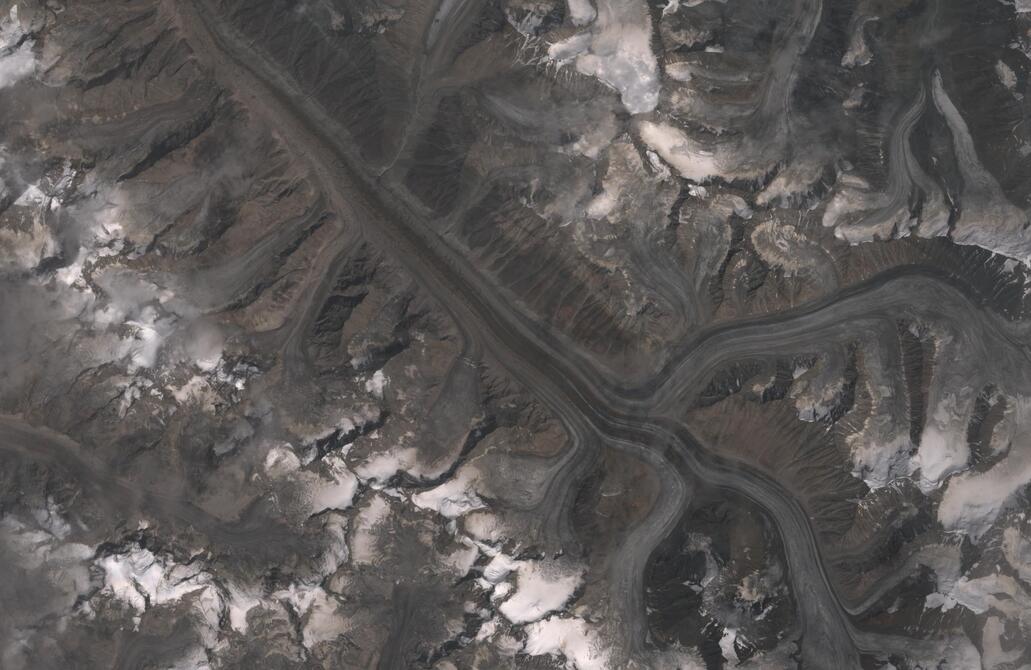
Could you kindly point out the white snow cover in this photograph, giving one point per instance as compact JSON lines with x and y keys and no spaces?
{"x":999,"y":592}
{"x":602,"y":204}
{"x":727,"y":645}
{"x":31,"y":197}
{"x":149,"y":311}
{"x":151,"y":331}
{"x":104,"y":234}
{"x":595,"y":138}
{"x":952,"y":654}
{"x":581,"y":12}
{"x":132,"y":316}
{"x":453,"y":498}
{"x":335,"y":492}
{"x":379,"y":468}
{"x":487,"y":629}
{"x":376,"y":384}
{"x":130,"y":319}
{"x":240,"y":603}
{"x":500,"y":591}
{"x":572,"y":638}
{"x":1017,"y":550}
{"x":204,"y":347}
{"x":350,"y":422}
{"x":43,"y":548}
{"x":337,"y":552}
{"x":856,"y":194}
{"x":973,"y":500}
{"x":281,"y":460}
{"x":616,"y":48}
{"x":701,"y":543}
{"x":499,"y":568}
{"x":942,"y":452}
{"x":993,"y":657}
{"x":462,"y":560}
{"x":22,"y":249}
{"x":792,"y":182}
{"x":1006,"y":75}
{"x":879,"y":464}
{"x":16,"y":61}
{"x":17,"y":65}
{"x":995,"y":591}
{"x":988,"y":219}
{"x":814,"y":394}
{"x":540,"y":588}
{"x":317,"y":610}
{"x":483,"y":526}
{"x":142,"y":580}
{"x":195,"y":390}
{"x":363,"y":538}
{"x":677,"y":149}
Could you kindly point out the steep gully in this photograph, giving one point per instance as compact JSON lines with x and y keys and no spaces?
{"x":641,"y":420}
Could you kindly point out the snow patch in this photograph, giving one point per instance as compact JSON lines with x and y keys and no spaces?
{"x":993,"y":657}
{"x":879,"y":464}
{"x":142,"y":580}
{"x":616,"y":49}
{"x":483,"y":526}
{"x":17,"y":60}
{"x":727,"y":645}
{"x":31,"y":197}
{"x":995,"y":591}
{"x":953,"y":653}
{"x":281,"y":460}
{"x":540,"y":588}
{"x":1006,"y":75}
{"x":334,"y":490}
{"x":453,"y":498}
{"x":1017,"y":550}
{"x":379,"y":468}
{"x":42,"y":548}
{"x":195,"y":390}
{"x":376,"y":384}
{"x":462,"y":560}
{"x":677,"y":149}
{"x":572,"y":638}
{"x":499,"y":568}
{"x":581,"y":12}
{"x":364,"y":535}
{"x":317,"y":610}
{"x":973,"y":501}
{"x":240,"y":603}
{"x":942,"y":452}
